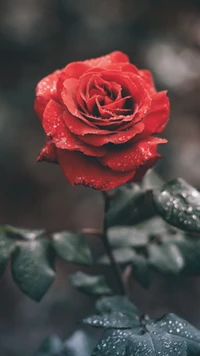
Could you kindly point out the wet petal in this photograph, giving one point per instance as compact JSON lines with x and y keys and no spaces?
{"x":113,"y":57}
{"x":79,"y":127}
{"x":73,"y":70}
{"x":142,"y":170}
{"x":148,"y":81}
{"x":48,"y":152}
{"x":54,"y":127}
{"x":68,"y":96}
{"x":80,"y":169}
{"x":157,"y":119}
{"x":45,"y":90}
{"x":126,"y":159}
{"x":124,"y":67}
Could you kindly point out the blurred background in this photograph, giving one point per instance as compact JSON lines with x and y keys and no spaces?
{"x":37,"y":37}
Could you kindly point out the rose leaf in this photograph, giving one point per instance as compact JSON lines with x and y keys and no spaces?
{"x":32,"y":266}
{"x":179,"y":204}
{"x":90,"y":284}
{"x":72,"y":247}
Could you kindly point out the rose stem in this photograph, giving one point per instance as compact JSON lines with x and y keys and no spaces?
{"x":108,"y":249}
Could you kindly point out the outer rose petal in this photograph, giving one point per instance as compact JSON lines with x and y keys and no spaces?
{"x":148,"y":81}
{"x":39,"y":106}
{"x":113,"y":57}
{"x":124,"y":67}
{"x":46,"y":90}
{"x":54,"y":126}
{"x":132,"y":157}
{"x":157,"y":119}
{"x":79,"y":169}
{"x":142,"y":171}
{"x":48,"y":152}
{"x":73,"y":70}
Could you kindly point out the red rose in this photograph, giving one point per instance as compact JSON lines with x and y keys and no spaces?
{"x":99,"y":116}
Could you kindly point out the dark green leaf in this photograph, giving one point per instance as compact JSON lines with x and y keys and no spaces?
{"x":141,"y":271}
{"x":33,"y":267}
{"x":121,"y":255}
{"x":179,"y":204}
{"x":165,"y":258}
{"x":113,"y":320}
{"x":72,"y":247}
{"x":21,"y":233}
{"x":129,"y":206}
{"x":127,"y":236}
{"x":7,"y":245}
{"x":170,"y":335}
{"x":116,"y":312}
{"x":153,"y":226}
{"x":52,"y":346}
{"x":93,"y":285}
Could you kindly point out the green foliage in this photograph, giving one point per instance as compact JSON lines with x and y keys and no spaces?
{"x":123,"y":236}
{"x":72,"y":247}
{"x":128,"y":334}
{"x":129,"y":205}
{"x":21,"y":233}
{"x":121,"y":255}
{"x":137,"y":237}
{"x":90,"y":284}
{"x":7,"y":246}
{"x":33,"y":267}
{"x":33,"y":256}
{"x":139,"y":240}
{"x":165,"y":257}
{"x":114,"y":312}
{"x":179,"y":204}
{"x":162,"y":249}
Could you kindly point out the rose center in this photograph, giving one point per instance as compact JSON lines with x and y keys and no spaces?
{"x":110,"y":99}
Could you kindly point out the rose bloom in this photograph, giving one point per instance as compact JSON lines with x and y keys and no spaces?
{"x":99,"y":116}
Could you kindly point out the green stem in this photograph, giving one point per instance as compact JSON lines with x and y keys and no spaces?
{"x":108,"y":249}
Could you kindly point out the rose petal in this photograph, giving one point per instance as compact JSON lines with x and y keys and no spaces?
{"x":79,"y":169}
{"x":73,"y":70}
{"x":113,"y":57}
{"x":134,"y":87}
{"x":115,"y":137}
{"x":68,"y":96}
{"x":39,"y":106}
{"x":142,"y":170}
{"x":46,"y":90}
{"x":124,"y":67}
{"x":54,"y":126}
{"x":148,"y":81}
{"x":157,"y":119}
{"x":132,"y":157}
{"x":48,"y":152}
{"x":79,"y":127}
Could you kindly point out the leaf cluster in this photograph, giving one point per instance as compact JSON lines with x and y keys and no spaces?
{"x":155,"y":228}
{"x":33,"y":253}
{"x":126,"y":333}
